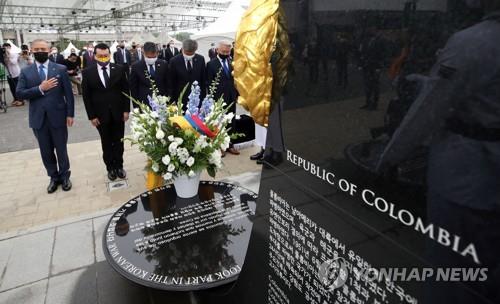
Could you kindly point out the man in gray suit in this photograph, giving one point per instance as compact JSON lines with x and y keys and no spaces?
{"x":48,"y":88}
{"x":459,"y":110}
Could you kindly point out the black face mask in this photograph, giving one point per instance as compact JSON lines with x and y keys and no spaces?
{"x":122,"y":46}
{"x":41,"y":57}
{"x":223,"y":56}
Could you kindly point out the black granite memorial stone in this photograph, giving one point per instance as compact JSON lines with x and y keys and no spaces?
{"x":164,"y":242}
{"x":389,"y":188}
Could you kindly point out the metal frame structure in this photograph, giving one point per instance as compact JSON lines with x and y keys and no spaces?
{"x":83,"y":16}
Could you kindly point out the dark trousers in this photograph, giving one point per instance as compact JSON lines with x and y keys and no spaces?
{"x":372,"y":86}
{"x":50,"y":138}
{"x":313,"y":70}
{"x":112,"y":134}
{"x":12,"y":85}
{"x":342,"y":72}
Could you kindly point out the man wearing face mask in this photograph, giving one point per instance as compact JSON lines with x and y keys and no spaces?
{"x":88,"y":56}
{"x":170,"y":52}
{"x":122,"y":56}
{"x":186,"y":68}
{"x":47,"y":87}
{"x":103,"y":88}
{"x":222,"y":65}
{"x":156,"y":69}
{"x":55,"y":56}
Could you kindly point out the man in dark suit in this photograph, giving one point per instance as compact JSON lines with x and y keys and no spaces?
{"x":171,"y":51}
{"x":122,"y":56}
{"x":212,"y":52}
{"x":371,"y":61}
{"x":55,"y":56}
{"x":48,"y":88}
{"x":157,"y":69}
{"x":88,"y":56}
{"x":221,"y":64}
{"x":185,"y":69}
{"x":103,"y":89}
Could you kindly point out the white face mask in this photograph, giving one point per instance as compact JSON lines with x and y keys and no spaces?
{"x":150,"y":61}
{"x":188,"y":57}
{"x":54,"y":51}
{"x":90,"y":49}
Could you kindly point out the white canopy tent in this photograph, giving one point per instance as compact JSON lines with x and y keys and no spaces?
{"x":224,"y":28}
{"x":67,"y":51}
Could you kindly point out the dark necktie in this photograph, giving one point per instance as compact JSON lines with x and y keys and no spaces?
{"x":151,"y":70}
{"x":226,"y":68}
{"x":106,"y":76}
{"x":189,"y":66}
{"x":91,"y":56}
{"x":41,"y":72}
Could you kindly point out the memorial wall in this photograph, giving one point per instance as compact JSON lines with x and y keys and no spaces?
{"x":375,"y":201}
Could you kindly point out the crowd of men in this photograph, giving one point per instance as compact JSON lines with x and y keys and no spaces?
{"x":46,"y":82}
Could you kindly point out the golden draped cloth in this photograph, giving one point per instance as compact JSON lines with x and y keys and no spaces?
{"x":254,"y":45}
{"x":153,"y":180}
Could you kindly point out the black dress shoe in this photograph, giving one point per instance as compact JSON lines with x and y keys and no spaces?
{"x":272,"y":159}
{"x":53,"y":185}
{"x":121,"y":173}
{"x":66,"y":184}
{"x":111,"y":175}
{"x":258,"y":155}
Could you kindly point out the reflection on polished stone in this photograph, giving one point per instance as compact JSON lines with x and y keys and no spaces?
{"x":162,"y":241}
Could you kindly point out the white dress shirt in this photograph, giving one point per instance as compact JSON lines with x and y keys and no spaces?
{"x":13,"y":65}
{"x":101,"y":75}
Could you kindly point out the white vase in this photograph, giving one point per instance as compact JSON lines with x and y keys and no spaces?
{"x":186,"y":186}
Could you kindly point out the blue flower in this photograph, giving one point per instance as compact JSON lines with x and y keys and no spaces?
{"x":194,"y":99}
{"x":152,"y":103}
{"x":206,"y":106}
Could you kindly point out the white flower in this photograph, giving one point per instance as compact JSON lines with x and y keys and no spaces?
{"x":190,"y":161}
{"x":154,"y":114}
{"x":136,"y":110}
{"x":191,"y":173}
{"x":165,"y":160}
{"x":155,"y":167}
{"x":171,"y":168}
{"x":183,"y":155}
{"x":225,"y":143}
{"x":167,"y":176}
{"x":179,"y":140}
{"x":216,"y":158}
{"x":171,"y":138}
{"x":172,"y":148}
{"x":160,"y":134}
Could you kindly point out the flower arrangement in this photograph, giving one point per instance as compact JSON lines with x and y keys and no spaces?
{"x":182,"y":142}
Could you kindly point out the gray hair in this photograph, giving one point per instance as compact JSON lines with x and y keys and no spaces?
{"x":189,"y":45}
{"x":40,"y":40}
{"x":224,"y":43}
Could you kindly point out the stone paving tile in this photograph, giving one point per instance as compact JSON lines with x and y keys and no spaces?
{"x":29,"y":294}
{"x":76,"y":287}
{"x":73,"y":248}
{"x":29,"y":260}
{"x":5,"y":250}
{"x":99,"y":225}
{"x":24,"y":202}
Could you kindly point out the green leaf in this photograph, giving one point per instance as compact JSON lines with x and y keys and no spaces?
{"x":211,"y":171}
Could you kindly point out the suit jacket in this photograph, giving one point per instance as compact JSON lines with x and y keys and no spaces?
{"x":166,"y":54}
{"x":140,"y":86}
{"x":212,"y":53}
{"x":87,"y":59}
{"x":58,"y":58}
{"x":118,"y":56}
{"x":226,"y":87}
{"x":372,"y":53}
{"x":179,"y":76}
{"x":56,"y":104}
{"x":100,"y":100}
{"x":134,"y":56}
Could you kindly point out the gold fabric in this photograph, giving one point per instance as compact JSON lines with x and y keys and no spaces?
{"x":153,"y":180}
{"x":254,"y":45}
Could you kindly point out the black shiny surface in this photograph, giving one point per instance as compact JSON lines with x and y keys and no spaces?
{"x":156,"y":238}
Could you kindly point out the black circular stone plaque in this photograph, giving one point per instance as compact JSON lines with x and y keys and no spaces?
{"x":165,"y":242}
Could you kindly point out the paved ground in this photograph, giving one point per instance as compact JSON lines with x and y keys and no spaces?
{"x":64,"y":264}
{"x":24,"y":202}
